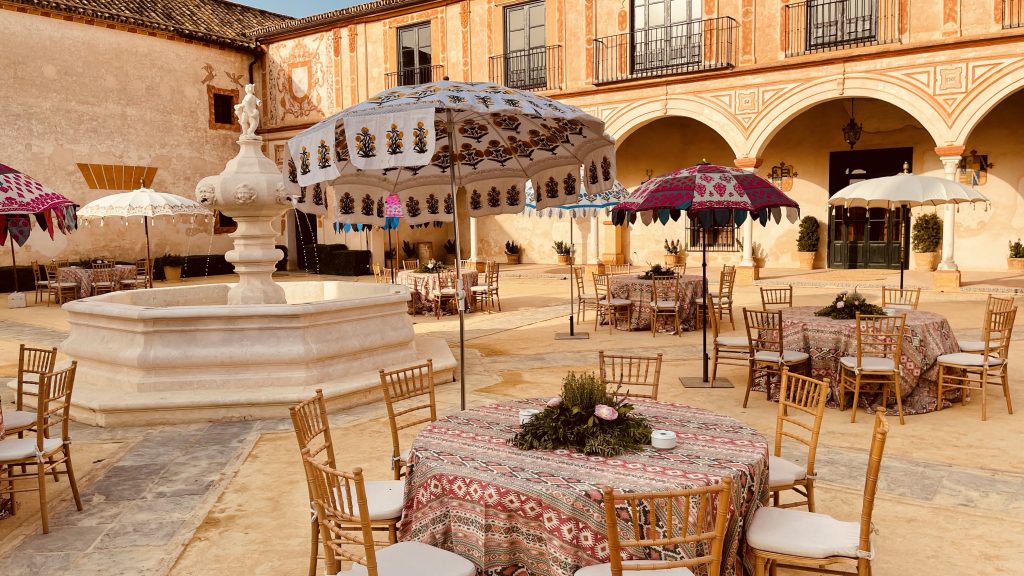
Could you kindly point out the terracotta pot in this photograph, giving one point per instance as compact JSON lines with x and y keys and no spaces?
{"x":674,"y":259}
{"x":512,"y":258}
{"x":564,"y":258}
{"x":807,"y":260}
{"x":759,"y":261}
{"x":1015,"y":263}
{"x":172,"y":273}
{"x":926,"y":260}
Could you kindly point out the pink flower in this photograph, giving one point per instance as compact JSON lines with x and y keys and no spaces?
{"x":840,"y":304}
{"x":856,"y":302}
{"x":555,"y":402}
{"x":605,"y":412}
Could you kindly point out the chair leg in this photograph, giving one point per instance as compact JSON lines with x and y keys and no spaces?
{"x":750,"y":384}
{"x":314,"y":546}
{"x":71,"y":479}
{"x":938,"y":388}
{"x":984,"y":395}
{"x":810,"y":495}
{"x":899,"y":400}
{"x":714,"y":364}
{"x":41,"y":478}
{"x":856,"y":399}
{"x":1006,"y":392}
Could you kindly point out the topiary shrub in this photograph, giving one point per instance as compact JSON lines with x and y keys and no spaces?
{"x":926,"y":234}
{"x":809,"y":236}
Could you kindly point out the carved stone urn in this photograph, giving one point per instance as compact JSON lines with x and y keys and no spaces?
{"x":250,"y":190}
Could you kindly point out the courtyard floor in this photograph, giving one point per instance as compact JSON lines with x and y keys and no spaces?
{"x":231,"y":497}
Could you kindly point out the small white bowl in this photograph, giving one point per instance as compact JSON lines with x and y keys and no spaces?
{"x":527,"y":414}
{"x":663,"y":439}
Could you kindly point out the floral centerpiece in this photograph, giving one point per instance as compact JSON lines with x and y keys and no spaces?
{"x":585,"y":418}
{"x":847,"y":305}
{"x":658,"y":271}
{"x":431,"y":267}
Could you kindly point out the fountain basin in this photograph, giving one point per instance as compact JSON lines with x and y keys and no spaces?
{"x":182,"y":354}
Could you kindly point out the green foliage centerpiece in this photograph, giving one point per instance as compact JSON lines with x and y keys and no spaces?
{"x":658,"y":271}
{"x":847,"y":305}
{"x":585,"y":418}
{"x":431,"y":267}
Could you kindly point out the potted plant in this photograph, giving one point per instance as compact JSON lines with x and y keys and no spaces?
{"x":1016,"y":259}
{"x":926,"y":235}
{"x":674,"y":254}
{"x":564,"y":252}
{"x":449,"y":252}
{"x":512,"y":252}
{"x":758,"y":255}
{"x":807,"y":241}
{"x":172,"y":264}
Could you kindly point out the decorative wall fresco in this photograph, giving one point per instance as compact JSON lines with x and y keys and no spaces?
{"x":300,"y":80}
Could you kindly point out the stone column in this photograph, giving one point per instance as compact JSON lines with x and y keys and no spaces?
{"x":473,"y":254}
{"x":948,"y":275}
{"x":747,"y":272}
{"x":595,"y":247}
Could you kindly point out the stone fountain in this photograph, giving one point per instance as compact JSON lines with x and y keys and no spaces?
{"x":245,"y":350}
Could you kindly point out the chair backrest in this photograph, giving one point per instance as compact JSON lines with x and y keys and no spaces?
{"x":782,"y":296}
{"x":906,"y":298}
{"x":998,"y":331}
{"x":601,"y":289}
{"x":467,"y":264}
{"x":998,"y":303}
{"x":665,"y":289}
{"x":801,"y":409}
{"x":103,"y":271}
{"x":727,"y":280}
{"x":313,"y":429}
{"x":340,"y":502}
{"x":880,"y":336}
{"x":764,"y":329}
{"x":52,"y":272}
{"x":492,"y":274}
{"x":37,"y":361}
{"x":638,"y":375}
{"x":879,"y":432}
{"x":617,"y":269}
{"x":694,"y":519}
{"x":409,"y":396}
{"x":446,"y":280}
{"x":577,"y":274}
{"x":713,"y":318}
{"x":679,"y":269}
{"x":410,"y":264}
{"x":36,"y":275}
{"x":54,"y":405}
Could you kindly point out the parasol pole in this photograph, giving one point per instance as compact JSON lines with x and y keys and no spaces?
{"x":145,"y":221}
{"x":14,"y":266}
{"x":704,"y":283}
{"x":460,"y":291}
{"x":905,"y":244}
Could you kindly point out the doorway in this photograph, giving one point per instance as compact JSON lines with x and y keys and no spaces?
{"x":865,"y":237}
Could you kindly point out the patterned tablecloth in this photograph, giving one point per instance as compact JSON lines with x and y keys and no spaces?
{"x":632,"y":287}
{"x":83,"y":277}
{"x":423,"y":285}
{"x":540,"y":513}
{"x":927,"y":336}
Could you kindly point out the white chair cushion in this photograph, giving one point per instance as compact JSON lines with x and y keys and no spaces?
{"x":788,"y":356}
{"x":869,"y":363}
{"x":617,"y":302}
{"x":408,"y":558}
{"x":483,"y":288}
{"x":805,"y":534}
{"x":733,"y":341}
{"x":18,"y":419}
{"x":447,"y":291}
{"x":966,"y":359}
{"x":897,"y":306}
{"x":782,"y":472}
{"x":384,"y":499}
{"x":587,"y":297}
{"x":606,"y":570}
{"x":64,"y":285}
{"x":971,"y":345}
{"x":669,"y":304}
{"x":14,"y":449}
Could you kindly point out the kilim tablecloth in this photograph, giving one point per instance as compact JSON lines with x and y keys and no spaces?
{"x":927,"y":336}
{"x":423,"y":285}
{"x":84,"y":277}
{"x":632,"y":287}
{"x":541,"y":512}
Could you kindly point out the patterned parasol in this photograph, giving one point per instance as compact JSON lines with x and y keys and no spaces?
{"x":425,"y":143}
{"x":22,"y":197}
{"x":713,"y":196}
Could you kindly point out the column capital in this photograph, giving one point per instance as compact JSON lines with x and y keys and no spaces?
{"x":950,"y":150}
{"x":747,"y":163}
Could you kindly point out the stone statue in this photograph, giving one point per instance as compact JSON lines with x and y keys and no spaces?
{"x":248,"y":113}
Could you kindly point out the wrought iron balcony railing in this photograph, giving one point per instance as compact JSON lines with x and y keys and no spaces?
{"x":826,"y":25}
{"x":414,"y":76}
{"x":534,"y":69}
{"x":694,"y":46}
{"x":1013,"y":13}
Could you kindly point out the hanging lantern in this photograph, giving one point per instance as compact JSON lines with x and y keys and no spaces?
{"x":852,"y":130}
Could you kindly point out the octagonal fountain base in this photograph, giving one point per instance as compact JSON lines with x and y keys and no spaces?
{"x":173,"y":355}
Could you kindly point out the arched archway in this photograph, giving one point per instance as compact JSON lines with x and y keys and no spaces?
{"x":626,"y":120}
{"x":1010,"y":81}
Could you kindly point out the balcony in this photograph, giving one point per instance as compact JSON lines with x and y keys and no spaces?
{"x":534,"y":69}
{"x":414,"y":76}
{"x":688,"y":47}
{"x":827,"y":25}
{"x":1013,"y":13}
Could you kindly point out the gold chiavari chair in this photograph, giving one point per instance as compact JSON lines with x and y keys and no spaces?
{"x":782,"y":297}
{"x":901,"y":298}
{"x":41,"y":284}
{"x":876,"y":367}
{"x":103,"y":278}
{"x":723,"y":299}
{"x":486,"y":295}
{"x":612,"y":307}
{"x":977,"y":371}
{"x":447,"y":293}
{"x":408,"y":394}
{"x":57,"y":289}
{"x":612,"y":269}
{"x":801,"y":410}
{"x":584,"y":300}
{"x":992,"y":304}
{"x":769,"y":355}
{"x":665,"y":303}
{"x":32,"y":364}
{"x":730,"y":350}
{"x":638,"y":375}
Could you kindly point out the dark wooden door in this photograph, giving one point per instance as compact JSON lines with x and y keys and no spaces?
{"x":862,"y":237}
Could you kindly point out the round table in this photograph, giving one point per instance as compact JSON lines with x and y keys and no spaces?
{"x":927,"y":336}
{"x":638,"y":290}
{"x":542,"y":511}
{"x":423,"y":285}
{"x":83,"y":277}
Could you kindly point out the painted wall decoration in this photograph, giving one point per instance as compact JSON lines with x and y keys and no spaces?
{"x":300,"y":80}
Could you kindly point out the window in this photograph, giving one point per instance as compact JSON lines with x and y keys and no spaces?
{"x":718,"y":238}
{"x":222,"y":107}
{"x":666,"y":33}
{"x":525,"y":43}
{"x":414,"y":54}
{"x":837,"y":22}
